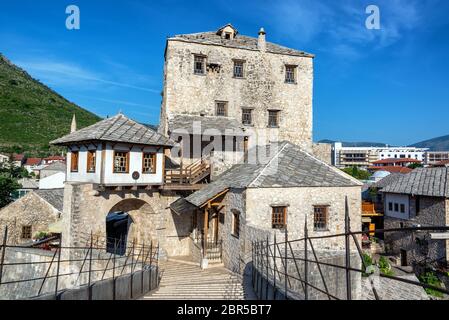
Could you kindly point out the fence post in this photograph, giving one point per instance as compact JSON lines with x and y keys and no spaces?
{"x":90,"y":266}
{"x":348,"y":251}
{"x":306,"y":262}
{"x":286,"y":263}
{"x":151,"y":264}
{"x":2,"y":261}
{"x":157,"y":265}
{"x":261,"y":267}
{"x":268,"y":276}
{"x":274,"y":267}
{"x":143,"y":262}
{"x":58,"y":266}
{"x":113,"y":269}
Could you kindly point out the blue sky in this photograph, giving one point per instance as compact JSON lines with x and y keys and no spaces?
{"x":389,"y":85}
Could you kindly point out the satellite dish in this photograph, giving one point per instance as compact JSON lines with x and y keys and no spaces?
{"x":136,"y":175}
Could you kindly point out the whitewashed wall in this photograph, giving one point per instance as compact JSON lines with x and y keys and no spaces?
{"x":398,"y":199}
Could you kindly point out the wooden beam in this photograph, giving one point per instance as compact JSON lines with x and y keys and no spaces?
{"x":205,"y":230}
{"x":215,"y":197}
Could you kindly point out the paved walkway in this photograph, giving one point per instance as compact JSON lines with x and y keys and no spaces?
{"x":181,"y":281}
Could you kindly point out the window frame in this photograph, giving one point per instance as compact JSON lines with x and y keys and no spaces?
{"x":225,"y":103}
{"x":326,"y":218}
{"x":234,"y":74}
{"x":244,"y":109}
{"x":278,"y":219}
{"x":293,"y":73}
{"x":278,"y":118}
{"x":91,"y":161}
{"x":126,"y":164}
{"x":27,"y":229}
{"x":152,"y":159}
{"x":203,"y":64}
{"x":74,"y":161}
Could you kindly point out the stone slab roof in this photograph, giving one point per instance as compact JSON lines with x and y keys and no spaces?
{"x":27,"y":183}
{"x":55,"y":197}
{"x":288,"y":166}
{"x":56,"y":166}
{"x":192,"y":123}
{"x":387,"y":180}
{"x":432,"y":182}
{"x":116,"y":129}
{"x":239,"y":42}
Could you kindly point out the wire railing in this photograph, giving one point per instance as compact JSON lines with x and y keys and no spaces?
{"x":29,"y":272}
{"x":292,"y":269}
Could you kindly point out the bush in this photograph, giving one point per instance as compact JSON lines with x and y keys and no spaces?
{"x":368,"y":261}
{"x":384,"y":266}
{"x":430,"y":278}
{"x":40,"y":235}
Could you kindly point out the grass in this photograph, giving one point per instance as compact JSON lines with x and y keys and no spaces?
{"x":31,"y":114}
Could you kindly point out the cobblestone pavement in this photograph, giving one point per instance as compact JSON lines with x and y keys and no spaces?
{"x":389,"y":289}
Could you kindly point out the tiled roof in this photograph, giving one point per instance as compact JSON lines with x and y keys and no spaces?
{"x":392,"y":169}
{"x":33,"y":161}
{"x":55,"y":158}
{"x":239,"y":41}
{"x":27,"y":183}
{"x":192,"y":123}
{"x":54,"y":197}
{"x":289,"y":166}
{"x":116,"y":129}
{"x":432,"y":182}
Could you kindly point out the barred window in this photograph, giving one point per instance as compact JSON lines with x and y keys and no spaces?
{"x":149,"y":163}
{"x":199,"y":62}
{"x":91,"y":156}
{"x":273,"y":118}
{"x":121,"y":162}
{"x":320,"y":217}
{"x":238,"y":68}
{"x":221,"y":108}
{"x":279,"y":217}
{"x":74,"y":161}
{"x":26,"y":232}
{"x":247,"y":116}
{"x":290,"y":74}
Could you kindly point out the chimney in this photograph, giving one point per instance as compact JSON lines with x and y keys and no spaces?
{"x":73,"y":126}
{"x":261,"y":43}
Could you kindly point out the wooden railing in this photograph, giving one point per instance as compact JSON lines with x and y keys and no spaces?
{"x":190,"y":174}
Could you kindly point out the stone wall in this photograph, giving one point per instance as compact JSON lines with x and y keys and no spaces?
{"x":323,"y":151}
{"x":85,"y":211}
{"x":263,"y":88}
{"x":418,"y":245}
{"x":30,"y":210}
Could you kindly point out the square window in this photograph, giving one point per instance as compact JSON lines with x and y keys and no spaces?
{"x":279,"y":217}
{"x":247,"y":116}
{"x":121,"y":162}
{"x":238,"y":69}
{"x":149,"y":163}
{"x":290,"y":74}
{"x":221,"y":109}
{"x":273,"y":118}
{"x":320,"y":217}
{"x":199,"y":64}
{"x":26,"y":232}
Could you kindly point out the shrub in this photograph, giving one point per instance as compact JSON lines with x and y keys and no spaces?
{"x":430,"y":278}
{"x":384,"y":266}
{"x":368,"y":261}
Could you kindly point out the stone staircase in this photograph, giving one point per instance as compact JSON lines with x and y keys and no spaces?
{"x":181,"y":281}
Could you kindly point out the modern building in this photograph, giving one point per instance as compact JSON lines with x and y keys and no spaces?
{"x":364,"y":157}
{"x":420,"y":198}
{"x":434,"y":157}
{"x":3,"y":158}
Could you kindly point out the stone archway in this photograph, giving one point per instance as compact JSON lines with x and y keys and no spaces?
{"x":143,"y":224}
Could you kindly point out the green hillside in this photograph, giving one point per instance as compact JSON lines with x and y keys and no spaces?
{"x":31,"y":114}
{"x":435,"y":144}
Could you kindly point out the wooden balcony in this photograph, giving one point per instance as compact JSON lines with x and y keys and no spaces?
{"x":371,"y":209}
{"x":188,"y":178}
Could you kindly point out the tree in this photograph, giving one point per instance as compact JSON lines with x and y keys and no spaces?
{"x":9,"y":176}
{"x":357,"y":173}
{"x":415,"y":165}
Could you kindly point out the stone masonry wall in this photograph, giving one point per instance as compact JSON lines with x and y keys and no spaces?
{"x":85,"y":211}
{"x":262,"y":88}
{"x":323,"y":151}
{"x":30,"y":210}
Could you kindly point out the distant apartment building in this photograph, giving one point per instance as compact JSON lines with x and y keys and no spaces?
{"x":435,"y":157}
{"x":3,"y":158}
{"x":364,"y":157}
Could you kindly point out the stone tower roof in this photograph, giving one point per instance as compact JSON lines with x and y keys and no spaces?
{"x":238,"y":41}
